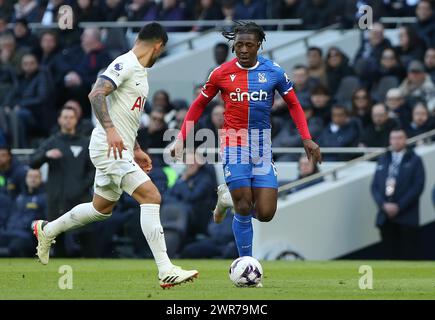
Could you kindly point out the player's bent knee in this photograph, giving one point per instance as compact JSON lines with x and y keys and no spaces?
{"x":266,"y":215}
{"x":147,"y":193}
{"x":243,"y":207}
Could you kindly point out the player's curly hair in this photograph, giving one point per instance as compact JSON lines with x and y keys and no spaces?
{"x":245,"y":27}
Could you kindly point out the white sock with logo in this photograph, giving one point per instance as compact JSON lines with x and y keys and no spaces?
{"x":153,"y":232}
{"x":77,"y":217}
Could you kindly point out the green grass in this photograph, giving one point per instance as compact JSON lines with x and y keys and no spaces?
{"x":136,"y":279}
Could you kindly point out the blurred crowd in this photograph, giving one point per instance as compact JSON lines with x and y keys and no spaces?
{"x":45,"y":78}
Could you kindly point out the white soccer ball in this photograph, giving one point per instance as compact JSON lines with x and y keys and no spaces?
{"x":246,"y":272}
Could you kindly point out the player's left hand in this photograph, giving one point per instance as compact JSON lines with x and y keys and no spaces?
{"x":312,"y":150}
{"x":143,"y":160}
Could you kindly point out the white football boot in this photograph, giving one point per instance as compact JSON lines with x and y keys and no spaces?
{"x":224,"y":202}
{"x":176,"y":276}
{"x":44,"y":242}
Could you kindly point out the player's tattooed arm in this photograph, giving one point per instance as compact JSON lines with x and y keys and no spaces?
{"x":97,"y":97}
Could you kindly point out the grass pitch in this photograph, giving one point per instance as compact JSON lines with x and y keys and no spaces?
{"x":137,"y":279}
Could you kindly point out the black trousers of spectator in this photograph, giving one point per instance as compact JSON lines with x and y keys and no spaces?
{"x":400,"y":242}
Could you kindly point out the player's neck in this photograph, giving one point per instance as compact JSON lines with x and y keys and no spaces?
{"x":143,"y":54}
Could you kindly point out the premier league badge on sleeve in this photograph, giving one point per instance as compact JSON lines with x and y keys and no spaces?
{"x":118,"y":66}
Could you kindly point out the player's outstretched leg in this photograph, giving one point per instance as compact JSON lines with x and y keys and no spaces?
{"x":149,"y":198}
{"x":224,"y":202}
{"x":79,"y":216}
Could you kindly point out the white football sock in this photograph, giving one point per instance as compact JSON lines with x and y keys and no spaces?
{"x":153,"y":231}
{"x":77,"y":217}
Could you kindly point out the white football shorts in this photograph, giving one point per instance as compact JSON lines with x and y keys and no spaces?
{"x":112,"y":177}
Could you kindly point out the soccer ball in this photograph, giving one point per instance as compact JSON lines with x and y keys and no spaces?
{"x":246,"y":272}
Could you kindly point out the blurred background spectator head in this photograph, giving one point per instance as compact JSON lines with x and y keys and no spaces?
{"x":429,"y":58}
{"x":217,"y":116}
{"x":379,"y":114}
{"x":420,"y":114}
{"x":67,"y":120}
{"x":48,"y":42}
{"x":5,"y":158}
{"x":3,"y":23}
{"x":169,"y":4}
{"x":314,"y":57}
{"x":376,"y":34}
{"x":7,"y":42}
{"x":320,"y":96}
{"x":29,"y":64}
{"x":308,"y":110}
{"x":228,"y":9}
{"x":361,"y":102}
{"x":221,"y":51}
{"x":424,"y":10}
{"x":74,"y":105}
{"x":161,"y":99}
{"x":398,"y":139}
{"x":21,"y":28}
{"x":416,"y":73}
{"x":339,"y":115}
{"x":389,"y":58}
{"x":306,"y":167}
{"x":157,"y":120}
{"x":334,"y":57}
{"x":408,"y":38}
{"x":394,"y":99}
{"x":33,"y":179}
{"x":300,"y":75}
{"x":91,"y":39}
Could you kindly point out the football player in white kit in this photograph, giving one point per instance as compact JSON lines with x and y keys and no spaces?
{"x":117,"y":99}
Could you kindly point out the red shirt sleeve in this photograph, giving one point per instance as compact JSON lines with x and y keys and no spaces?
{"x":297,"y":114}
{"x":197,"y":107}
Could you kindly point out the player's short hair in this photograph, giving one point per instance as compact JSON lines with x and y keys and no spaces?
{"x":245,"y":27}
{"x":153,"y":31}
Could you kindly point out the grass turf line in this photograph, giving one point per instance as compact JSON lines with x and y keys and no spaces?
{"x":137,"y":279}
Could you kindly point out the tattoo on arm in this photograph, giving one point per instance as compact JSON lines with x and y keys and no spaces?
{"x":101,"y":89}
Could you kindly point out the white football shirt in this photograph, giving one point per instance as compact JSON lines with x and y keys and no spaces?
{"x":126,"y":103}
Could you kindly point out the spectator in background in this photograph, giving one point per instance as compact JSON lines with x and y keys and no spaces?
{"x":288,"y":9}
{"x":48,"y":52}
{"x":30,"y":100}
{"x":377,"y":134}
{"x":215,"y":123}
{"x":70,"y":172}
{"x":390,"y":65}
{"x":228,"y":10}
{"x":138,"y":9}
{"x":220,"y":55}
{"x":84,"y":125}
{"x":12,"y":174}
{"x":81,"y":67}
{"x":398,"y":108}
{"x":288,"y":135}
{"x":341,"y":132}
{"x":411,"y":47}
{"x":3,"y":24}
{"x":8,"y":85}
{"x":317,"y":14}
{"x":302,"y":83}
{"x":23,"y":36}
{"x":162,"y":100}
{"x":207,"y":10}
{"x":399,"y":8}
{"x":306,"y":168}
{"x":9,"y":54}
{"x":217,"y":244}
{"x":167,"y":10}
{"x":86,"y":11}
{"x":421,"y":122}
{"x":321,"y":102}
{"x":429,"y":62}
{"x":250,"y":9}
{"x":396,"y":188}
{"x":362,"y":108}
{"x":26,"y":9}
{"x":6,"y":9}
{"x":152,"y":135}
{"x":114,"y":10}
{"x":425,"y":26}
{"x":337,"y":67}
{"x":316,"y":66}
{"x":31,"y":204}
{"x":418,"y":85}
{"x":195,"y":189}
{"x":370,"y":52}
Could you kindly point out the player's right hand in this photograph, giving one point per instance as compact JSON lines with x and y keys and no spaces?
{"x":176,"y":149}
{"x":115,"y":143}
